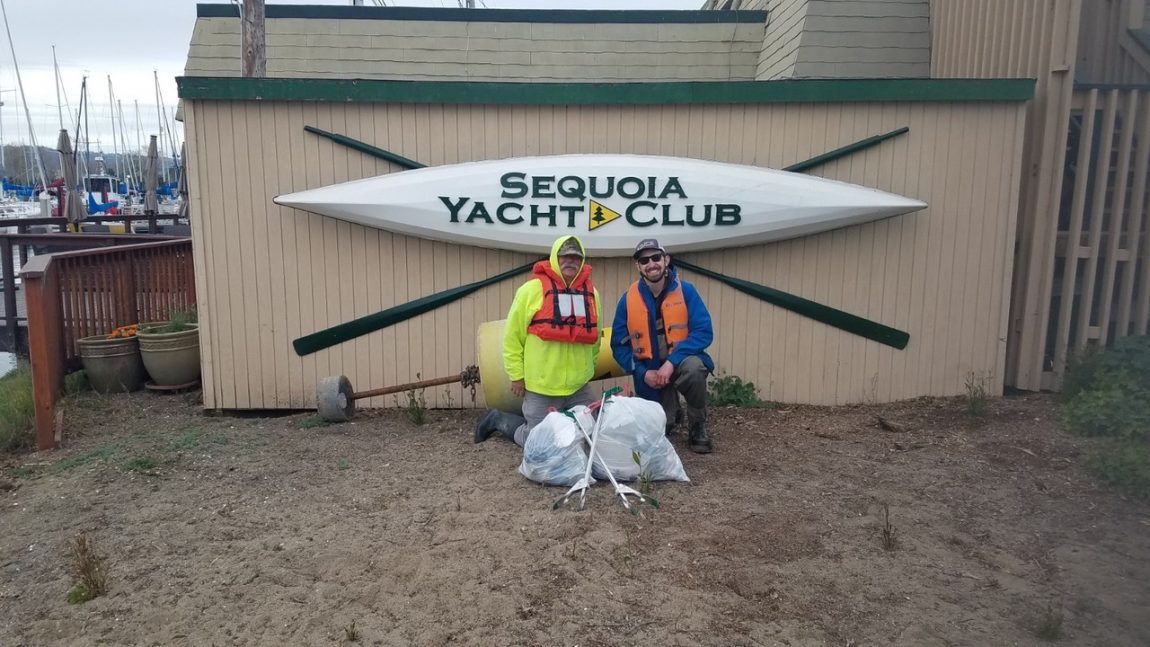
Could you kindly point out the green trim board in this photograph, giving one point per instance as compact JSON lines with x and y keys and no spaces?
{"x":824,"y":314}
{"x":208,"y":88}
{"x":560,"y":16}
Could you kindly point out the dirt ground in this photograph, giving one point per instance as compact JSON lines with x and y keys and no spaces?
{"x":226,"y":530}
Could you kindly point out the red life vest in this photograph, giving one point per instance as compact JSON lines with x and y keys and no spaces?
{"x":674,"y":310}
{"x":568,"y":313}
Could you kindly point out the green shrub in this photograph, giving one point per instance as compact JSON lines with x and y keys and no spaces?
{"x":17,"y":411}
{"x":1106,"y":394}
{"x":1124,"y":465}
{"x":1087,"y":369}
{"x":1115,"y":406}
{"x":178,"y":321}
{"x":732,"y":390}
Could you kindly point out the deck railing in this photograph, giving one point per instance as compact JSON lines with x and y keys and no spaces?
{"x":16,"y":246}
{"x":71,"y":295}
{"x":1101,"y":284}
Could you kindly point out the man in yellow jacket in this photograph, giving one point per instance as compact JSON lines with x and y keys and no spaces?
{"x":550,"y":343}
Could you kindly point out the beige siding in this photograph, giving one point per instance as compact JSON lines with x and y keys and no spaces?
{"x":780,"y":45}
{"x":846,"y":39}
{"x":865,"y":39}
{"x":1019,"y":39}
{"x":1107,"y":53}
{"x":267,"y":275}
{"x":484,"y":51}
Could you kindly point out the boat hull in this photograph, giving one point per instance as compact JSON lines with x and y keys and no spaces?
{"x":609,"y":201}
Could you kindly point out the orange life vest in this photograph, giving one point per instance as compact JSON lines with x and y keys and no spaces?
{"x":568,"y":313}
{"x":674,"y":310}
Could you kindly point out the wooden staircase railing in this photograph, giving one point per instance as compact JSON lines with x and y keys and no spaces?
{"x":70,"y":295}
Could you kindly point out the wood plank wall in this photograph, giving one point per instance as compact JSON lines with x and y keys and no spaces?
{"x":267,"y":275}
{"x":1021,"y":39}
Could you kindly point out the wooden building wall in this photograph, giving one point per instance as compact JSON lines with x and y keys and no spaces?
{"x":1107,"y":51}
{"x":1021,"y":39}
{"x":267,"y":275}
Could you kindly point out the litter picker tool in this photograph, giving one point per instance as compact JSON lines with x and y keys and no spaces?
{"x":622,"y":490}
{"x":582,"y":485}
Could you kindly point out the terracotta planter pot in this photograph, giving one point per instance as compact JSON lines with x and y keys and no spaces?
{"x":172,"y":359}
{"x":112,"y":365}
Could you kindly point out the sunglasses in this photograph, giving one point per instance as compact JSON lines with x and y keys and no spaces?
{"x":653,"y":258}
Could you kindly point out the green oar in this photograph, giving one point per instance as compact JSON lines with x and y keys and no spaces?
{"x":347,"y":331}
{"x":807,"y":308}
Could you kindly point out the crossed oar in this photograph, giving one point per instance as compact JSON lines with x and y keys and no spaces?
{"x":824,"y":314}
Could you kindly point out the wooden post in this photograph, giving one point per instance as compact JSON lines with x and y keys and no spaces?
{"x":22,"y":229}
{"x":253,"y":41}
{"x":41,"y":289}
{"x":10,"y":322}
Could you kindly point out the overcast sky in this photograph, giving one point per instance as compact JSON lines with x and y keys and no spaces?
{"x":129,"y":40}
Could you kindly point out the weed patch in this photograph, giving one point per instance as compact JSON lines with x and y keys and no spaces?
{"x":977,"y":395}
{"x":89,"y":570}
{"x":416,"y":407}
{"x":343,"y":464}
{"x":889,"y":538}
{"x":1049,"y":626}
{"x":103,"y":453}
{"x":350,"y":633}
{"x":141,"y":464}
{"x":733,"y":391}
{"x":312,"y":423}
{"x":16,"y":410}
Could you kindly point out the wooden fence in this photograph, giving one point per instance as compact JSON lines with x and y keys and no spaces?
{"x":20,"y":246}
{"x":1101,"y":286}
{"x":71,"y":295}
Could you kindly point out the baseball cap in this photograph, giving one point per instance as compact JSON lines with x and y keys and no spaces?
{"x":570,"y":246}
{"x":647,"y":244}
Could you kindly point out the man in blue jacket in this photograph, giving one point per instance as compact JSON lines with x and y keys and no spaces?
{"x":660,"y":334}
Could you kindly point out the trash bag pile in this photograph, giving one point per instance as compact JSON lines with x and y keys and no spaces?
{"x":554,"y":453}
{"x":632,"y":445}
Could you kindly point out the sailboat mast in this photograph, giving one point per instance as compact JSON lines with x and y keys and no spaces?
{"x":168,"y":121}
{"x":59,"y":104}
{"x":160,"y":125}
{"x":24,"y":98}
{"x":124,"y":141}
{"x":112,"y":114}
{"x":139,"y":138}
{"x":84,"y":110}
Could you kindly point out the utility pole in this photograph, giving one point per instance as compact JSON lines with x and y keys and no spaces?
{"x":252,"y":37}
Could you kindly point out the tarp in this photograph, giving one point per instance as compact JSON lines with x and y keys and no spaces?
{"x":74,"y":209}
{"x":152,"y":179}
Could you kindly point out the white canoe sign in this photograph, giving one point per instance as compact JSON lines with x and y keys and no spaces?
{"x":610,"y":201}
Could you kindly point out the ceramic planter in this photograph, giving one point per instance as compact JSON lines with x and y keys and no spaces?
{"x":172,"y":359}
{"x":112,"y":365}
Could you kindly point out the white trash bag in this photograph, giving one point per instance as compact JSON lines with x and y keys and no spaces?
{"x":554,"y":453}
{"x":635,"y":425}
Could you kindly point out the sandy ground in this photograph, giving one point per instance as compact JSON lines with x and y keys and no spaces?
{"x":270,"y":531}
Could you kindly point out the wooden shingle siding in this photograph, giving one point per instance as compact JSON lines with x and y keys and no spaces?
{"x":865,"y":39}
{"x":267,"y":274}
{"x":841,"y":38}
{"x":1107,"y":53}
{"x":444,"y":50}
{"x":781,"y":41}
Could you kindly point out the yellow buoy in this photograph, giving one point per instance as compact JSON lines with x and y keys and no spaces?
{"x":493,"y":377}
